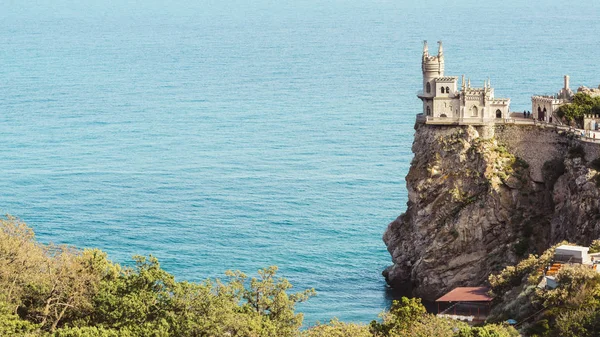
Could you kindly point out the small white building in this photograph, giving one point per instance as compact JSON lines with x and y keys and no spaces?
{"x":572,"y":254}
{"x":444,"y":101}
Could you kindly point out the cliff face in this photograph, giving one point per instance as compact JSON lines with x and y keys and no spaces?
{"x":484,"y":197}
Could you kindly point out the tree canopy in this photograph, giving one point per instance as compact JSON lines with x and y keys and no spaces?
{"x":60,"y":291}
{"x":583,"y":104}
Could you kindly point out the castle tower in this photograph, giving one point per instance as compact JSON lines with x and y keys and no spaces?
{"x":565,"y":93}
{"x":432,"y":67}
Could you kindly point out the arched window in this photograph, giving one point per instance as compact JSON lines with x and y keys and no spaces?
{"x":447,"y":90}
{"x":442,"y":90}
{"x":544,"y":114}
{"x":474,"y":111}
{"x":428,"y":111}
{"x":498,"y":113}
{"x":428,"y":87}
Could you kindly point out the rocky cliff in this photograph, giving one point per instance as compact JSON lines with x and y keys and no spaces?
{"x":481,"y":198}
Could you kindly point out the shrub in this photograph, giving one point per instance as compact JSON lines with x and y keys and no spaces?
{"x":595,"y":247}
{"x":454,"y":233}
{"x":539,"y":328}
{"x":336,"y":328}
{"x":521,"y":246}
{"x":520,"y":162}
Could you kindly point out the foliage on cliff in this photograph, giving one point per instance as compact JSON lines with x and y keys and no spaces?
{"x":571,"y":309}
{"x":64,"y":292}
{"x":583,"y":104}
{"x":48,"y":290}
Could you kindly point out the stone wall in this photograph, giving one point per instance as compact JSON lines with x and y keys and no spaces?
{"x":534,"y":145}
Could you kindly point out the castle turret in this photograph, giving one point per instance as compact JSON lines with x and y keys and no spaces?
{"x":432,"y":66}
{"x":565,"y":93}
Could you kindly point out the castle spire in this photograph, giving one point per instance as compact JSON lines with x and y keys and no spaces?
{"x":489,"y":83}
{"x":463,"y":82}
{"x":469,"y":85}
{"x":425,"y":49}
{"x":440,"y":49}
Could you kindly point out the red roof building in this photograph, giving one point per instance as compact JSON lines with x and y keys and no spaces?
{"x":467,"y":294}
{"x":466,"y":303}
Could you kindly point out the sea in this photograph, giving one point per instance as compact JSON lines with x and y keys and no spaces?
{"x":230,"y":134}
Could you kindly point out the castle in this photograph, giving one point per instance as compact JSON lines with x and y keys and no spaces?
{"x":544,"y":107}
{"x":444,"y":103}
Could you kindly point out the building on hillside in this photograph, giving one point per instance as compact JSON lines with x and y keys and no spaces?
{"x":567,"y":254}
{"x":572,"y":254}
{"x":470,"y":304}
{"x":591,"y":123}
{"x":544,"y":106}
{"x":445,"y":103}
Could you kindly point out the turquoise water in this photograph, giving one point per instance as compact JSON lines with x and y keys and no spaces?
{"x":236,"y":136}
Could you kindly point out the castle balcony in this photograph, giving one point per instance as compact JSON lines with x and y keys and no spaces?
{"x":515,"y":119}
{"x":459,"y":120}
{"x":422,"y":95}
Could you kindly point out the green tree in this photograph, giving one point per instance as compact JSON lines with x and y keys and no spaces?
{"x":595,"y":246}
{"x":12,"y":325}
{"x":336,"y":328}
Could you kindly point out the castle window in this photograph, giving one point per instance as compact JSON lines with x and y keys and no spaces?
{"x":447,"y":90}
{"x":474,"y":111}
{"x":428,"y":111}
{"x":498,"y":113}
{"x":428,"y":87}
{"x":442,"y":90}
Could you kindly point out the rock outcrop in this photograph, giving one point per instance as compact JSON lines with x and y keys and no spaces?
{"x":480,"y":198}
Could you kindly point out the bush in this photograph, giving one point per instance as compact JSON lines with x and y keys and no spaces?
{"x":595,"y":247}
{"x":521,"y":246}
{"x":520,"y":162}
{"x":511,"y":276}
{"x":539,"y":328}
{"x":336,"y":328}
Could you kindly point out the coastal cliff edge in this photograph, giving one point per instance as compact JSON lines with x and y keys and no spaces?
{"x":481,"y":198}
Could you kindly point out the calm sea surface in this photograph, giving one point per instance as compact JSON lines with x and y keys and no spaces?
{"x":236,"y":135}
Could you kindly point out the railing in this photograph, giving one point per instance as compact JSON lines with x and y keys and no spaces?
{"x":465,"y":312}
{"x":583,"y":135}
{"x":467,"y":120}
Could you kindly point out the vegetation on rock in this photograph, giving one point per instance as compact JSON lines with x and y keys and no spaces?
{"x":571,"y":309}
{"x":58,"y":291}
{"x":583,"y":104}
